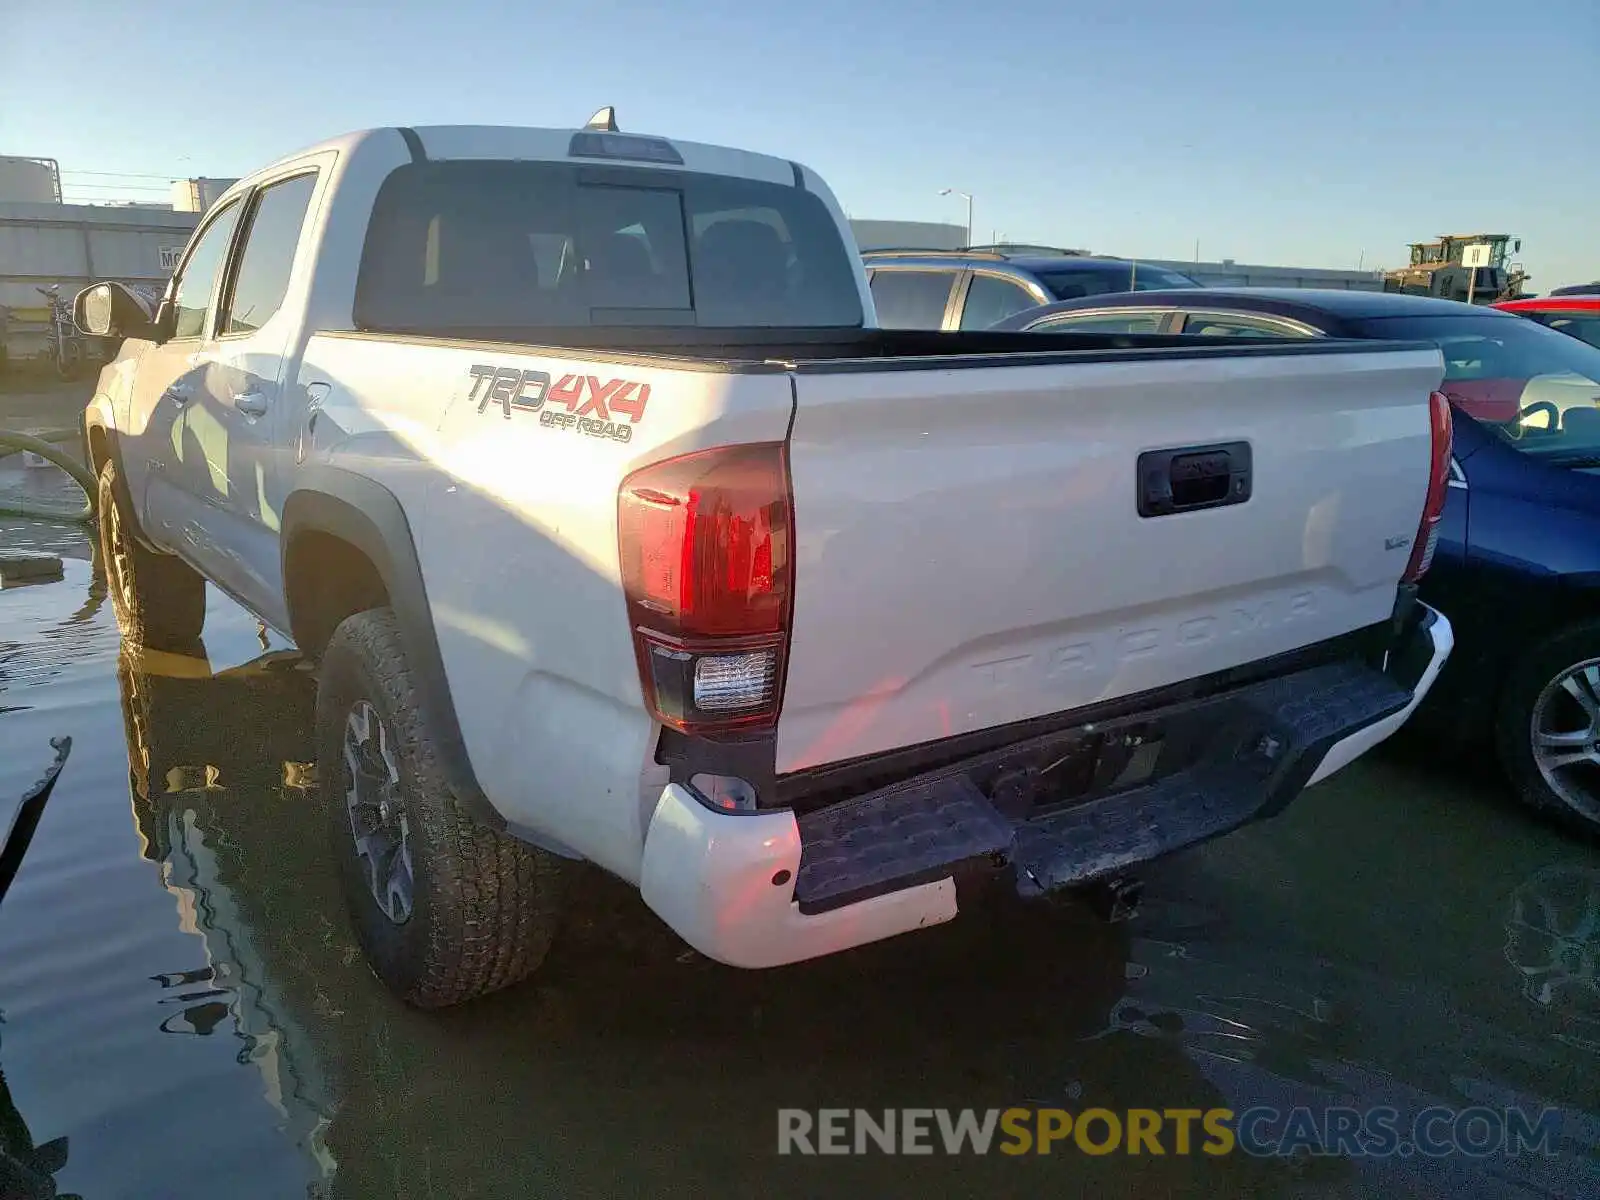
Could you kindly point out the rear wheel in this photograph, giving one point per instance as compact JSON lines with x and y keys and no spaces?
{"x":445,"y":908}
{"x":1548,"y":729}
{"x":159,"y":600}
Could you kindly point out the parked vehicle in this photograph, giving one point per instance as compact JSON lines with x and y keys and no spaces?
{"x":1518,"y":564}
{"x":976,"y":287}
{"x":66,"y":344}
{"x":1578,"y":316}
{"x":1578,"y":289}
{"x":620,"y":534}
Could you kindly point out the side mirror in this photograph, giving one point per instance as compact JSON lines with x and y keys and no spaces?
{"x":114,"y":310}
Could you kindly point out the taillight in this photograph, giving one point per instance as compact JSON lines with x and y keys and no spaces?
{"x":705,"y":544}
{"x":1438,"y":483}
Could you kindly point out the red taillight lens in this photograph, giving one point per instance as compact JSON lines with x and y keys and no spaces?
{"x":705,"y":542}
{"x":1438,"y":484}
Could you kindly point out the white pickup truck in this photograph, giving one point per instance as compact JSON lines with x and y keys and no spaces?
{"x":619,"y":533}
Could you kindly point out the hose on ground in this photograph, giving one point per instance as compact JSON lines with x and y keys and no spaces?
{"x":44,"y":445}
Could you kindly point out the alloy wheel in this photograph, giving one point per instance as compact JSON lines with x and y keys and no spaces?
{"x":379,"y":827}
{"x":1565,"y":731}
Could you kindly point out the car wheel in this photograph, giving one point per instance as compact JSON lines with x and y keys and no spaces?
{"x":1548,"y":728}
{"x":445,"y":908}
{"x":159,"y":600}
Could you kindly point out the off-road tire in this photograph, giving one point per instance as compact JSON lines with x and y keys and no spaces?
{"x":485,"y":906}
{"x":1514,"y":718}
{"x":160,"y":601}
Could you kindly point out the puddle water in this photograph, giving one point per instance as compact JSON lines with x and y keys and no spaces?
{"x":183,"y":1001}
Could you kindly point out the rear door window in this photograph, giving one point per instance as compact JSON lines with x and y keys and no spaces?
{"x":506,"y":246}
{"x":1103,"y":322}
{"x":911,"y":299}
{"x":1238,"y":325}
{"x":262,"y":278}
{"x":991,"y":298}
{"x":1075,"y":285}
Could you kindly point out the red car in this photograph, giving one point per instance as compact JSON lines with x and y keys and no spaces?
{"x":1578,"y":316}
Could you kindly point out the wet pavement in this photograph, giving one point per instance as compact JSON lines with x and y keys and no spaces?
{"x":183,"y":1001}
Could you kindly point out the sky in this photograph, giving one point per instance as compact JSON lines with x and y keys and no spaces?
{"x":1318,"y":135}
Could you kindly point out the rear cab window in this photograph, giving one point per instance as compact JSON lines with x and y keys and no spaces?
{"x":486,"y":246}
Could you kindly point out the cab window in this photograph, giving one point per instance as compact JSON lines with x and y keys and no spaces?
{"x":991,"y":298}
{"x":1102,"y":322}
{"x":1239,"y":325}
{"x":197,"y":281}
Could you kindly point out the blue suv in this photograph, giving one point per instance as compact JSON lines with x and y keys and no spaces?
{"x":975,"y":287}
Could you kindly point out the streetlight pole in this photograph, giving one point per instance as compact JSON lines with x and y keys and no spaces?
{"x":968,"y":198}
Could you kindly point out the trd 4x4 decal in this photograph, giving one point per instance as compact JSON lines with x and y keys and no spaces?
{"x":591,"y":407}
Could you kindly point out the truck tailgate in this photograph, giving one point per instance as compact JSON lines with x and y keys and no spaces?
{"x":970,"y":549}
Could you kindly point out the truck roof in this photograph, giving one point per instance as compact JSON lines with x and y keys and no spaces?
{"x":516,"y":142}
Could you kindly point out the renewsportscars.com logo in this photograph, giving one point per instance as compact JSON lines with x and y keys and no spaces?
{"x":1262,"y":1131}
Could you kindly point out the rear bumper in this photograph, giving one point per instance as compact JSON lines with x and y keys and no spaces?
{"x":760,"y":890}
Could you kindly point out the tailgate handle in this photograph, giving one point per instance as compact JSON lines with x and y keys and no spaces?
{"x":1187,"y":478}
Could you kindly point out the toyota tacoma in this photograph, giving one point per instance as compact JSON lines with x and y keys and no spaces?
{"x":617,"y":532}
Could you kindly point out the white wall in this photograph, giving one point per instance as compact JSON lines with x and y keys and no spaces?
{"x":1228,"y":273}
{"x":919,"y":235}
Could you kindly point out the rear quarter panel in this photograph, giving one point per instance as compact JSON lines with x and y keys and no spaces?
{"x":513,"y":508}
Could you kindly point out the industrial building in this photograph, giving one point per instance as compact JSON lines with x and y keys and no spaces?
{"x":44,"y":241}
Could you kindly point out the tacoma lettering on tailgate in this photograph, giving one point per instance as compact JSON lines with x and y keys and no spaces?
{"x":1102,"y":653}
{"x":591,"y":406}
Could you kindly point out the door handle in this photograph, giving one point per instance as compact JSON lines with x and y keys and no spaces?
{"x":179,"y":394}
{"x":251,"y":404}
{"x":1187,"y":478}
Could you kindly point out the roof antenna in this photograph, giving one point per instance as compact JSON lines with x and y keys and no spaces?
{"x":604,"y":120}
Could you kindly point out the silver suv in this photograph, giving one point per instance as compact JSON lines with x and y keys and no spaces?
{"x":975,"y":287}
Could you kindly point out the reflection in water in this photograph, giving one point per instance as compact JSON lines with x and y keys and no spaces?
{"x":1553,"y":943}
{"x":48,"y":645}
{"x":205,"y":751}
{"x":27,"y":1170}
{"x":628,"y":1067}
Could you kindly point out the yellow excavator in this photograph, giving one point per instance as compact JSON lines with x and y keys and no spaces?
{"x":1437,"y":269}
